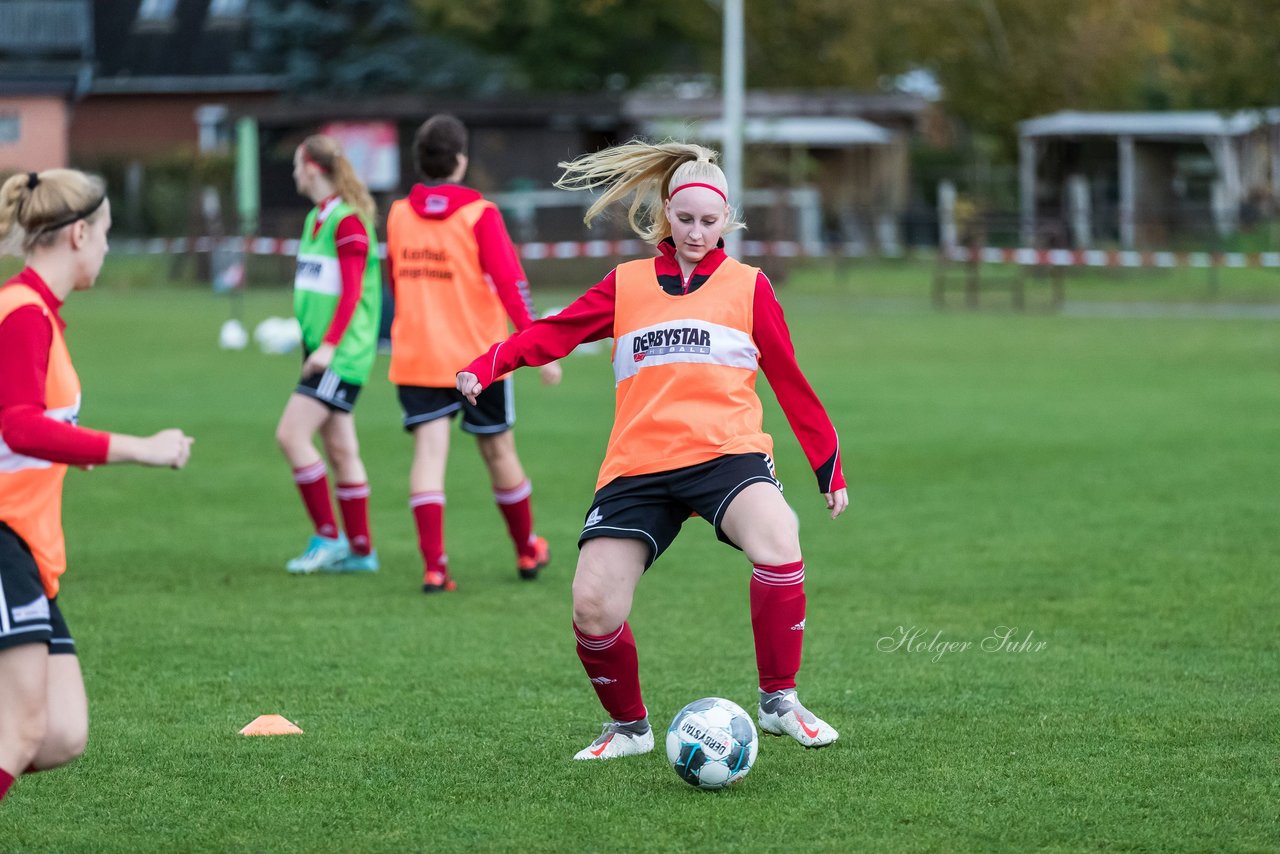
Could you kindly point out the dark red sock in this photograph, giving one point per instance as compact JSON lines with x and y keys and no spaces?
{"x":614,"y":670}
{"x":313,"y":483}
{"x":6,"y":780}
{"x":515,"y":508}
{"x":777,"y":621}
{"x":428,"y":513}
{"x":353,"y":503}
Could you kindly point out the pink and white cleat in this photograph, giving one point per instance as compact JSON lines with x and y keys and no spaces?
{"x":782,"y":714}
{"x":620,"y":738}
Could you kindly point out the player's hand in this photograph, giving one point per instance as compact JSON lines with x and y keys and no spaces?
{"x":469,"y":385}
{"x":837,"y":502}
{"x":551,"y":373}
{"x":170,"y":448}
{"x":319,"y":361}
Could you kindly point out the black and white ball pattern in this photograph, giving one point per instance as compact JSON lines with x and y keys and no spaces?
{"x":712,"y":743}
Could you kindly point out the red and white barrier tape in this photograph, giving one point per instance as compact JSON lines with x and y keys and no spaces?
{"x":1113,"y":258}
{"x":757,"y":248}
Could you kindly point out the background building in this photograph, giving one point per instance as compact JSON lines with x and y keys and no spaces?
{"x":46,"y":56}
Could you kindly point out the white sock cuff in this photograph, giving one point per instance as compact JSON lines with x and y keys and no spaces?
{"x":765,"y":575}
{"x":309,"y":474}
{"x":595,"y":643}
{"x":515,"y":494}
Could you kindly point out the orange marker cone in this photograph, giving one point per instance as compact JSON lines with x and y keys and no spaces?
{"x":270,"y":725}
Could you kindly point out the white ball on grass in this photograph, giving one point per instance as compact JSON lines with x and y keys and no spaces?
{"x":233,"y":336}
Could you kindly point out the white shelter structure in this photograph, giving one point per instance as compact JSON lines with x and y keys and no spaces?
{"x":839,"y":159}
{"x":1143,"y":178}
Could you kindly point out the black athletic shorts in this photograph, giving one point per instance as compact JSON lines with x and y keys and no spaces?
{"x":652,"y":507}
{"x":26,"y":614}
{"x":494,"y":410}
{"x":329,"y":388}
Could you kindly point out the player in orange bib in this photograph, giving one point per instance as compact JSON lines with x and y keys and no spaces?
{"x":456,"y":280}
{"x":691,"y":330}
{"x":61,"y":217}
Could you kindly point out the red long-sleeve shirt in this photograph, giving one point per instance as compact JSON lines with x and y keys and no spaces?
{"x":352,"y":242}
{"x":26,"y":335}
{"x":498,"y":256}
{"x":590,"y":318}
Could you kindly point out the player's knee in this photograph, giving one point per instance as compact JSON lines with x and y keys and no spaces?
{"x":588,"y":607}
{"x":593,"y":611}
{"x":496,"y":449}
{"x":63,"y":744}
{"x":342,"y":452}
{"x":286,"y":438}
{"x":25,"y":732}
{"x":776,"y":545}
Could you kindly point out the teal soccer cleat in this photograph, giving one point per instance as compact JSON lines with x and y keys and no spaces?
{"x":320,"y":554}
{"x":354,"y":563}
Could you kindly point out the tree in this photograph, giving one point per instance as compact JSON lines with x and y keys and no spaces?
{"x":828,"y":43}
{"x":998,"y":61}
{"x":1004,"y":61}
{"x":362,"y":47}
{"x":1223,"y":55}
{"x":582,"y":45}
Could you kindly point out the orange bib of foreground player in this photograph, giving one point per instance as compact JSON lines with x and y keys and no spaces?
{"x":31,"y":489}
{"x":685,"y":368}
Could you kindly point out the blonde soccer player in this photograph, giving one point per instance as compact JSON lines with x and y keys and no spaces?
{"x":692,"y":328}
{"x":61,"y":217}
{"x":337,"y":298}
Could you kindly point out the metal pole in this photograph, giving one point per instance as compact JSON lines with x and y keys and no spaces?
{"x":1027,"y":189}
{"x":734,"y":97}
{"x":247,"y":192}
{"x":1128,"y":192}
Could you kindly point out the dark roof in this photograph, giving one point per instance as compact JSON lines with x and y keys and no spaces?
{"x":705,"y":102}
{"x":46,"y":46}
{"x":46,"y":29}
{"x":189,"y":51}
{"x":600,"y":111}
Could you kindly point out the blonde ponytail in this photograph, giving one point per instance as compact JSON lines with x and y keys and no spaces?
{"x":34,"y":206}
{"x":325,"y":152}
{"x":647,"y":171}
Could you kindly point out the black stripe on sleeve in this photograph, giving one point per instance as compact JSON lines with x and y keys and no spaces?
{"x":827,"y":471}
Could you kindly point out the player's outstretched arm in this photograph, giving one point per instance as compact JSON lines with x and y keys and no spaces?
{"x":469,"y":385}
{"x":170,"y":448}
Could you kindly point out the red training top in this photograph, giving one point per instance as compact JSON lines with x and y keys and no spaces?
{"x":25,"y":338}
{"x":591,"y":318}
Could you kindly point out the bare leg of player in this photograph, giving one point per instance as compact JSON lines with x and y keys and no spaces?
{"x":603,"y":587}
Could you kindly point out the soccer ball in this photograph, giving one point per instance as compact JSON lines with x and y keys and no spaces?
{"x":232,"y":335}
{"x":712,"y":743}
{"x":278,"y":335}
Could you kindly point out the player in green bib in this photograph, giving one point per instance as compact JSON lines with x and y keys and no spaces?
{"x":337,"y":297}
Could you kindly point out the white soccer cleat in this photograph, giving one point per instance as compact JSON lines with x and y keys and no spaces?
{"x":321,"y":553}
{"x":619,"y":739}
{"x":782,"y":714}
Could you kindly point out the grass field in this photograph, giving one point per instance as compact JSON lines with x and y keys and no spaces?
{"x":1105,"y":486}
